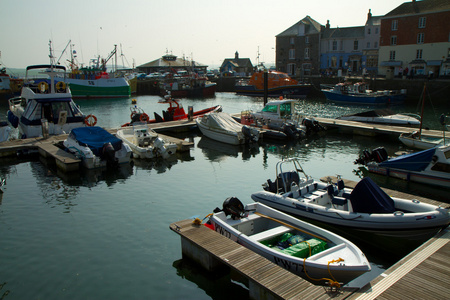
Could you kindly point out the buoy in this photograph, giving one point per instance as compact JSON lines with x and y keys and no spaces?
{"x":133,"y":101}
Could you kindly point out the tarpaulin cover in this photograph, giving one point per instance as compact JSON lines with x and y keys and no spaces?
{"x":223,"y":121}
{"x":95,"y":138}
{"x":417,"y":161}
{"x":368,"y":197}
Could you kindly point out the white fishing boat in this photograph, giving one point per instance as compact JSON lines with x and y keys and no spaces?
{"x":222,"y":127}
{"x":145,"y":142}
{"x":431,"y":166}
{"x":306,"y":250}
{"x":278,"y":113}
{"x":384,"y":117}
{"x":97,"y":148}
{"x":45,"y":105}
{"x":366,"y":207}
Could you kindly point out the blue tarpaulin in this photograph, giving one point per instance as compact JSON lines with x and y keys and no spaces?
{"x":368,"y":197}
{"x":417,"y":161}
{"x":95,"y":138}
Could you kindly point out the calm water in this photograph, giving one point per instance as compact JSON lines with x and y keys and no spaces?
{"x":105,"y":235}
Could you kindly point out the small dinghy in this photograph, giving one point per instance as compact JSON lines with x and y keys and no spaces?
{"x":306,"y":250}
{"x":145,"y":142}
{"x":366,"y":207}
{"x":97,"y":148}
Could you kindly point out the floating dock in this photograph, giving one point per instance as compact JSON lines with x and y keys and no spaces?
{"x":423,"y":274}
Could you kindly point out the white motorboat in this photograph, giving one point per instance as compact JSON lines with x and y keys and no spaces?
{"x":384,"y":117}
{"x":431,"y":166}
{"x":97,"y":148}
{"x":306,"y":250}
{"x":222,"y":127}
{"x":145,"y":142}
{"x":45,"y":105}
{"x":366,"y":207}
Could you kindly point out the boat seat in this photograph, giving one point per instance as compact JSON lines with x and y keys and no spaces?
{"x":339,"y":201}
{"x":279,"y":230}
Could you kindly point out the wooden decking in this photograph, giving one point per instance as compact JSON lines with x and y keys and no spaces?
{"x":423,"y":274}
{"x":266,"y":279}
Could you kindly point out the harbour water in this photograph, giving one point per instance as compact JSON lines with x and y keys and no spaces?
{"x":105,"y":235}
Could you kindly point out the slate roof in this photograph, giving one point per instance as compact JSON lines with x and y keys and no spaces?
{"x":343,"y":32}
{"x":419,"y":7}
{"x":178,"y":62}
{"x":311,"y":27}
{"x":238,"y":62}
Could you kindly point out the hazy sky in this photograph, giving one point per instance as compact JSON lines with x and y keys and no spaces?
{"x":207,"y":31}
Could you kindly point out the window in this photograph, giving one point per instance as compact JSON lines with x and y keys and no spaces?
{"x":376,"y":30}
{"x":422,"y":21}
{"x":355,"y":45}
{"x":420,"y":38}
{"x":306,"y":53}
{"x":334,"y":45}
{"x":291,"y":69}
{"x":394,"y":40}
{"x":292,"y":41}
{"x":368,"y":45}
{"x":306,"y":39}
{"x":392,"y":55}
{"x":291,"y":53}
{"x":419,"y":54}
{"x":394,"y":25}
{"x":341,"y":46}
{"x":375,"y":45}
{"x":368,"y":30}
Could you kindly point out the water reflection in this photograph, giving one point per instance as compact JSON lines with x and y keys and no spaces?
{"x":216,"y":151}
{"x":216,"y":285}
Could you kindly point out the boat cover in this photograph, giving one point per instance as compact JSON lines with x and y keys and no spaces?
{"x":221,"y":120}
{"x":95,"y":138}
{"x":373,"y":113}
{"x":417,"y":161}
{"x":368,"y":197}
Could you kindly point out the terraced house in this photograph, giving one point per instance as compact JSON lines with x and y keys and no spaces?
{"x":414,"y":36}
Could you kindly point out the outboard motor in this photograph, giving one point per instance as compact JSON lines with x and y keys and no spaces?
{"x":234,"y":207}
{"x":109,"y":154}
{"x":291,"y":131}
{"x":377,"y":155}
{"x":250,"y":134}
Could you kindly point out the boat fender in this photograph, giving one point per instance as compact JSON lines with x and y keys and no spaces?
{"x":43,"y":87}
{"x":234,"y":207}
{"x":144,"y":117}
{"x":90,"y":120}
{"x":61,"y":87}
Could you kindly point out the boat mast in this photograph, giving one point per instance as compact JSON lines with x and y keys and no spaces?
{"x":421,"y":114}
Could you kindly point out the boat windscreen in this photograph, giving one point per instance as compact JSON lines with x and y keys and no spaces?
{"x":368,"y":197}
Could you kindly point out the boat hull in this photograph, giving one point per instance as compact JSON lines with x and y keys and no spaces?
{"x":397,"y":224}
{"x":442,"y":180}
{"x":291,"y":91}
{"x":364,"y":99}
{"x":99,"y":88}
{"x":421,"y":143}
{"x":316,"y":266}
{"x":227,"y":137}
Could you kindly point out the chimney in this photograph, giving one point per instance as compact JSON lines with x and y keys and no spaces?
{"x":328,"y":24}
{"x":369,"y":15}
{"x":236,"y":55}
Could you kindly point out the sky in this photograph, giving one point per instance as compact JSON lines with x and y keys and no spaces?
{"x":206,"y":31}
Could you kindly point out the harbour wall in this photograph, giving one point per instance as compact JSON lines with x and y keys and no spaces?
{"x":438,"y":90}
